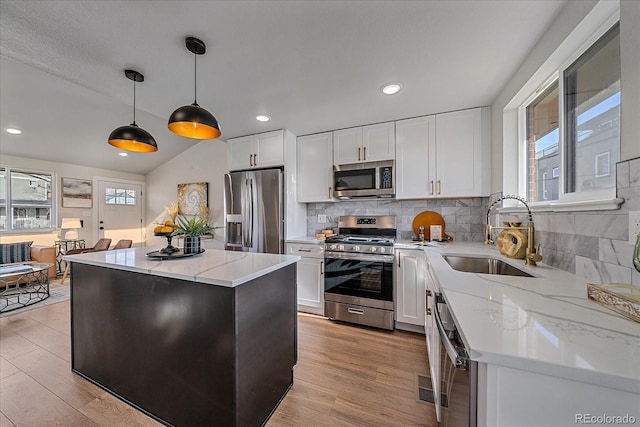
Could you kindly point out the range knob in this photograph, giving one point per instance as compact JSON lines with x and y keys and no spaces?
{"x":333,"y":247}
{"x":373,"y":249}
{"x":382,"y":249}
{"x":356,"y":248}
{"x":341,"y":247}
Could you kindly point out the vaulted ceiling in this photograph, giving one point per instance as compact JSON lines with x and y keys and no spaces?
{"x":311,"y":66}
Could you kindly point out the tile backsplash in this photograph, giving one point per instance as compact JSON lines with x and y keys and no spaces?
{"x":463,"y":217}
{"x":593,"y":244}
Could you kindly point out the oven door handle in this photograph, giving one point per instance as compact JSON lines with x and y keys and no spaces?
{"x":457,"y":355}
{"x":387,"y":259}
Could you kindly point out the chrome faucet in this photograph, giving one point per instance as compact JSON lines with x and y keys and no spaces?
{"x":533,"y":252}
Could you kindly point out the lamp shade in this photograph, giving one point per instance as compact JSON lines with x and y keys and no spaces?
{"x":71,"y":224}
{"x":193,"y":121}
{"x":133,"y":138}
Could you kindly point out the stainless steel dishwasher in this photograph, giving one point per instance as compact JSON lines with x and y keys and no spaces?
{"x":458,"y":373}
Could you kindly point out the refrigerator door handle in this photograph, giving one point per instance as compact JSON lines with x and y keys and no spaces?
{"x":251,"y":197}
{"x":246,"y":214}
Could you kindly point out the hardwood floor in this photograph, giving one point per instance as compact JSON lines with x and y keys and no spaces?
{"x":345,"y":376}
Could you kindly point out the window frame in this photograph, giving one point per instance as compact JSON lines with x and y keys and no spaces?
{"x":9,"y":204}
{"x":595,"y":25}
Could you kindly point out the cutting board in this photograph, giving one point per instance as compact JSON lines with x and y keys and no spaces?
{"x":428,"y":218}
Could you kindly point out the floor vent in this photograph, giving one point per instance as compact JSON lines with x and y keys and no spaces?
{"x":425,"y":392}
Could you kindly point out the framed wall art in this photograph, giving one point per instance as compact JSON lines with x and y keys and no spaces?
{"x":77,"y":193}
{"x":193,"y":199}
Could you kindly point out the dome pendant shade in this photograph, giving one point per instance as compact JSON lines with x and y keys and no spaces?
{"x":133,"y":138}
{"x":193,"y":121}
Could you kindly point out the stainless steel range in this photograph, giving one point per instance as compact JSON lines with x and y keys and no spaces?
{"x":359,"y":268}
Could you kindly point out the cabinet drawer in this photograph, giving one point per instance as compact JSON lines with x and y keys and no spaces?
{"x":309,"y":250}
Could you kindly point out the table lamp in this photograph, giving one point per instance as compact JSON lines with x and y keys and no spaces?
{"x":71,"y":224}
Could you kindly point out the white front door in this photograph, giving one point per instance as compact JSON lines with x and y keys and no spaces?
{"x":120,"y":210}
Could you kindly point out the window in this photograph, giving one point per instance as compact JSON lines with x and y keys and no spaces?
{"x":592,"y":115}
{"x":26,"y":200}
{"x":120,"y":196}
{"x":543,"y":139}
{"x":571,"y":127}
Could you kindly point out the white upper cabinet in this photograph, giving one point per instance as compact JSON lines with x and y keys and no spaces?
{"x":462,"y":153}
{"x":446,"y":155}
{"x":256,"y":151}
{"x":415,"y":138}
{"x":364,"y":144}
{"x":315,"y":168}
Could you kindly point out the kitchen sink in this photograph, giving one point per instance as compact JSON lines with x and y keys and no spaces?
{"x":484,"y":265}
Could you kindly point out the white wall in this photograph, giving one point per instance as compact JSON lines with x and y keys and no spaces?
{"x":90,"y":230}
{"x":206,"y":161}
{"x":630,"y":79}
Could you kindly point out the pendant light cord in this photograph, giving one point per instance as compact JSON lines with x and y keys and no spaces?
{"x":195,"y":78}
{"x":134,"y":101}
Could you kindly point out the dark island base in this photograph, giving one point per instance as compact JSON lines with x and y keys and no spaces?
{"x":186,"y":353}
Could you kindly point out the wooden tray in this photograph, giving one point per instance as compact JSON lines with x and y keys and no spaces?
{"x":428,"y":218}
{"x":619,"y":297}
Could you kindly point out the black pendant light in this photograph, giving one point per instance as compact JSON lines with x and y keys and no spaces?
{"x":193,"y":121}
{"x":132,"y":137}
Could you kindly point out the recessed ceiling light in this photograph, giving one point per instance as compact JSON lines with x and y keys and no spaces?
{"x":391,"y":88}
{"x":123,"y":154}
{"x":262,"y":118}
{"x":14,"y":131}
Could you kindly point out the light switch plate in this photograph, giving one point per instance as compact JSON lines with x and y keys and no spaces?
{"x":634,"y":226}
{"x":322,"y":219}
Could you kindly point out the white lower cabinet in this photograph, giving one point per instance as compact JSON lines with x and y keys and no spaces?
{"x":410,"y":289}
{"x":310,"y":276}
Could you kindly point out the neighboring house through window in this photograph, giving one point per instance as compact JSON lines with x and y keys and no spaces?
{"x":26,"y":200}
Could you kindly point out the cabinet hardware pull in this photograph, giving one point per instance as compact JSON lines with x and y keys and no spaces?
{"x":255,"y":160}
{"x":365,"y":153}
{"x":439,"y":187}
{"x":358,"y":153}
{"x":431,"y":182}
{"x":304,"y":250}
{"x":399,"y":256}
{"x":329,"y":192}
{"x":355,"y":310}
{"x":428,"y":312}
{"x":250,"y":159}
{"x":321,"y":267}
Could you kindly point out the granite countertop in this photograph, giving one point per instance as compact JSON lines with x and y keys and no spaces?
{"x":543,"y":324}
{"x":216,"y":267}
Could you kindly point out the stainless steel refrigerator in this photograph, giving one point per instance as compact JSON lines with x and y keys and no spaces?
{"x":254,"y":211}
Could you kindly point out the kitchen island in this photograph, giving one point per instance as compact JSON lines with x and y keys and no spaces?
{"x":203,"y":340}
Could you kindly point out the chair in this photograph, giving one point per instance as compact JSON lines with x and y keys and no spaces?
{"x":123,"y":244}
{"x":102,"y":245}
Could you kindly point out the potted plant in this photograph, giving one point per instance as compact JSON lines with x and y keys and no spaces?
{"x":191,"y":228}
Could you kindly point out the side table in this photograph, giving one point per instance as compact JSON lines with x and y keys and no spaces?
{"x":62,"y":246}
{"x":23,"y":284}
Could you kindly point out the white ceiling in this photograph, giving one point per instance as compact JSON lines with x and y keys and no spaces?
{"x":311,"y":65}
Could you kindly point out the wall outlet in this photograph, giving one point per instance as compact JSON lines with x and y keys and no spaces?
{"x":634,"y":226}
{"x":322,"y":219}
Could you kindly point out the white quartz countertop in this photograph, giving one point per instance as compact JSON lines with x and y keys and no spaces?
{"x":216,"y":267}
{"x":305,"y":239}
{"x":544,"y":324}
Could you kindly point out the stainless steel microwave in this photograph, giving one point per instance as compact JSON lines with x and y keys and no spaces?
{"x":368,"y":179}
